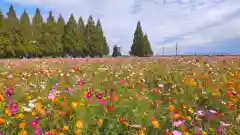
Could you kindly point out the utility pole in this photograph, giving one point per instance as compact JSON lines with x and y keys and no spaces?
{"x":176,"y":49}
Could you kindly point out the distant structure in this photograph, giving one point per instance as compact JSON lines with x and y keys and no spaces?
{"x":116,"y":51}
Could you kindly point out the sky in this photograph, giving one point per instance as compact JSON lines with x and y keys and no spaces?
{"x":200,"y":26}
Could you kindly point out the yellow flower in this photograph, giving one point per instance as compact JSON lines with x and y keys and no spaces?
{"x":197,"y":118}
{"x":65,"y":128}
{"x":20,"y":116}
{"x":74,"y":104}
{"x":23,"y":133}
{"x":79,"y":124}
{"x":204,"y":133}
{"x":38,"y":106}
{"x":186,"y":133}
{"x":216,"y":93}
{"x":126,"y":123}
{"x":177,"y":115}
{"x":188,"y":118}
{"x":61,"y":133}
{"x":191,"y":110}
{"x":22,"y":125}
{"x":100,"y":122}
{"x":33,"y":113}
{"x":155,"y":124}
{"x":81,"y":103}
{"x":8,"y":112}
{"x":78,"y":132}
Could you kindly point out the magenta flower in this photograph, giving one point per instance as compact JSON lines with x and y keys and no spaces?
{"x":102,"y":102}
{"x":34,"y":123}
{"x":14,"y":108}
{"x":9,"y":91}
{"x":99,"y":96}
{"x":68,"y":89}
{"x":37,"y":131}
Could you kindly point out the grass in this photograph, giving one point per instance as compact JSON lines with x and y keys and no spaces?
{"x":110,"y":96}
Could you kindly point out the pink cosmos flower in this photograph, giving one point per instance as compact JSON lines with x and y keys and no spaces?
{"x":175,"y":132}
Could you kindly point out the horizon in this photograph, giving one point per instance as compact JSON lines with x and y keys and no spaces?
{"x":200,"y":26}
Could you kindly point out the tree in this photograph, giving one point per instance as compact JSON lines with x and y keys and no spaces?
{"x":60,"y":31}
{"x":37,"y":25}
{"x":102,"y":43}
{"x":26,"y":31}
{"x":49,"y":37}
{"x":69,"y":36}
{"x":147,"y":47}
{"x":14,"y":35}
{"x":92,"y":38}
{"x":1,"y":21}
{"x":137,"y":48}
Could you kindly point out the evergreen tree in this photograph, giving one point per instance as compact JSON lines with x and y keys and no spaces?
{"x":37,"y":23}
{"x":147,"y":47}
{"x":81,"y":41}
{"x":81,"y":28}
{"x":1,"y":20}
{"x":16,"y":48}
{"x":93,"y":40}
{"x":137,"y":48}
{"x":102,"y":43}
{"x":26,"y":31}
{"x":105,"y":46}
{"x":49,"y":37}
{"x":69,"y":36}
{"x":60,"y":31}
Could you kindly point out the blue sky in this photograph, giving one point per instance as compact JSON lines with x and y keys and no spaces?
{"x":197,"y":25}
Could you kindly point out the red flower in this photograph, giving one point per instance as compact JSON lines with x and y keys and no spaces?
{"x":76,"y":68}
{"x":229,"y":93}
{"x":111,"y":108}
{"x":155,"y":90}
{"x":230,"y":107}
{"x":174,"y":100}
{"x":122,"y":81}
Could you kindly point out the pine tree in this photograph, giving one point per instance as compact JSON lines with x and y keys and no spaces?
{"x":137,"y":48}
{"x":16,"y":48}
{"x":102,"y":43}
{"x":147,"y":47}
{"x":37,"y":24}
{"x":26,"y":31}
{"x":81,"y":28}
{"x":105,"y":46}
{"x":49,"y":37}
{"x":69,"y":38}
{"x":81,"y":40}
{"x":89,"y":30}
{"x":1,"y":20}
{"x":60,"y":31}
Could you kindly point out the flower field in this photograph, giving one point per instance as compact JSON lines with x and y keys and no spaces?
{"x":120,"y":96}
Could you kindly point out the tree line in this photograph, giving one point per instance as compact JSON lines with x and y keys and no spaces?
{"x":20,"y":37}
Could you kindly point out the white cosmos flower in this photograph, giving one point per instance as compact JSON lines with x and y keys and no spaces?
{"x":27,"y":109}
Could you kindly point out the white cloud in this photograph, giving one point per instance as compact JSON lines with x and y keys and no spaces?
{"x":161,"y":19}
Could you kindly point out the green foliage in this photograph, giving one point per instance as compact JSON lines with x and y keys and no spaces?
{"x":147,"y":47}
{"x":141,"y":46}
